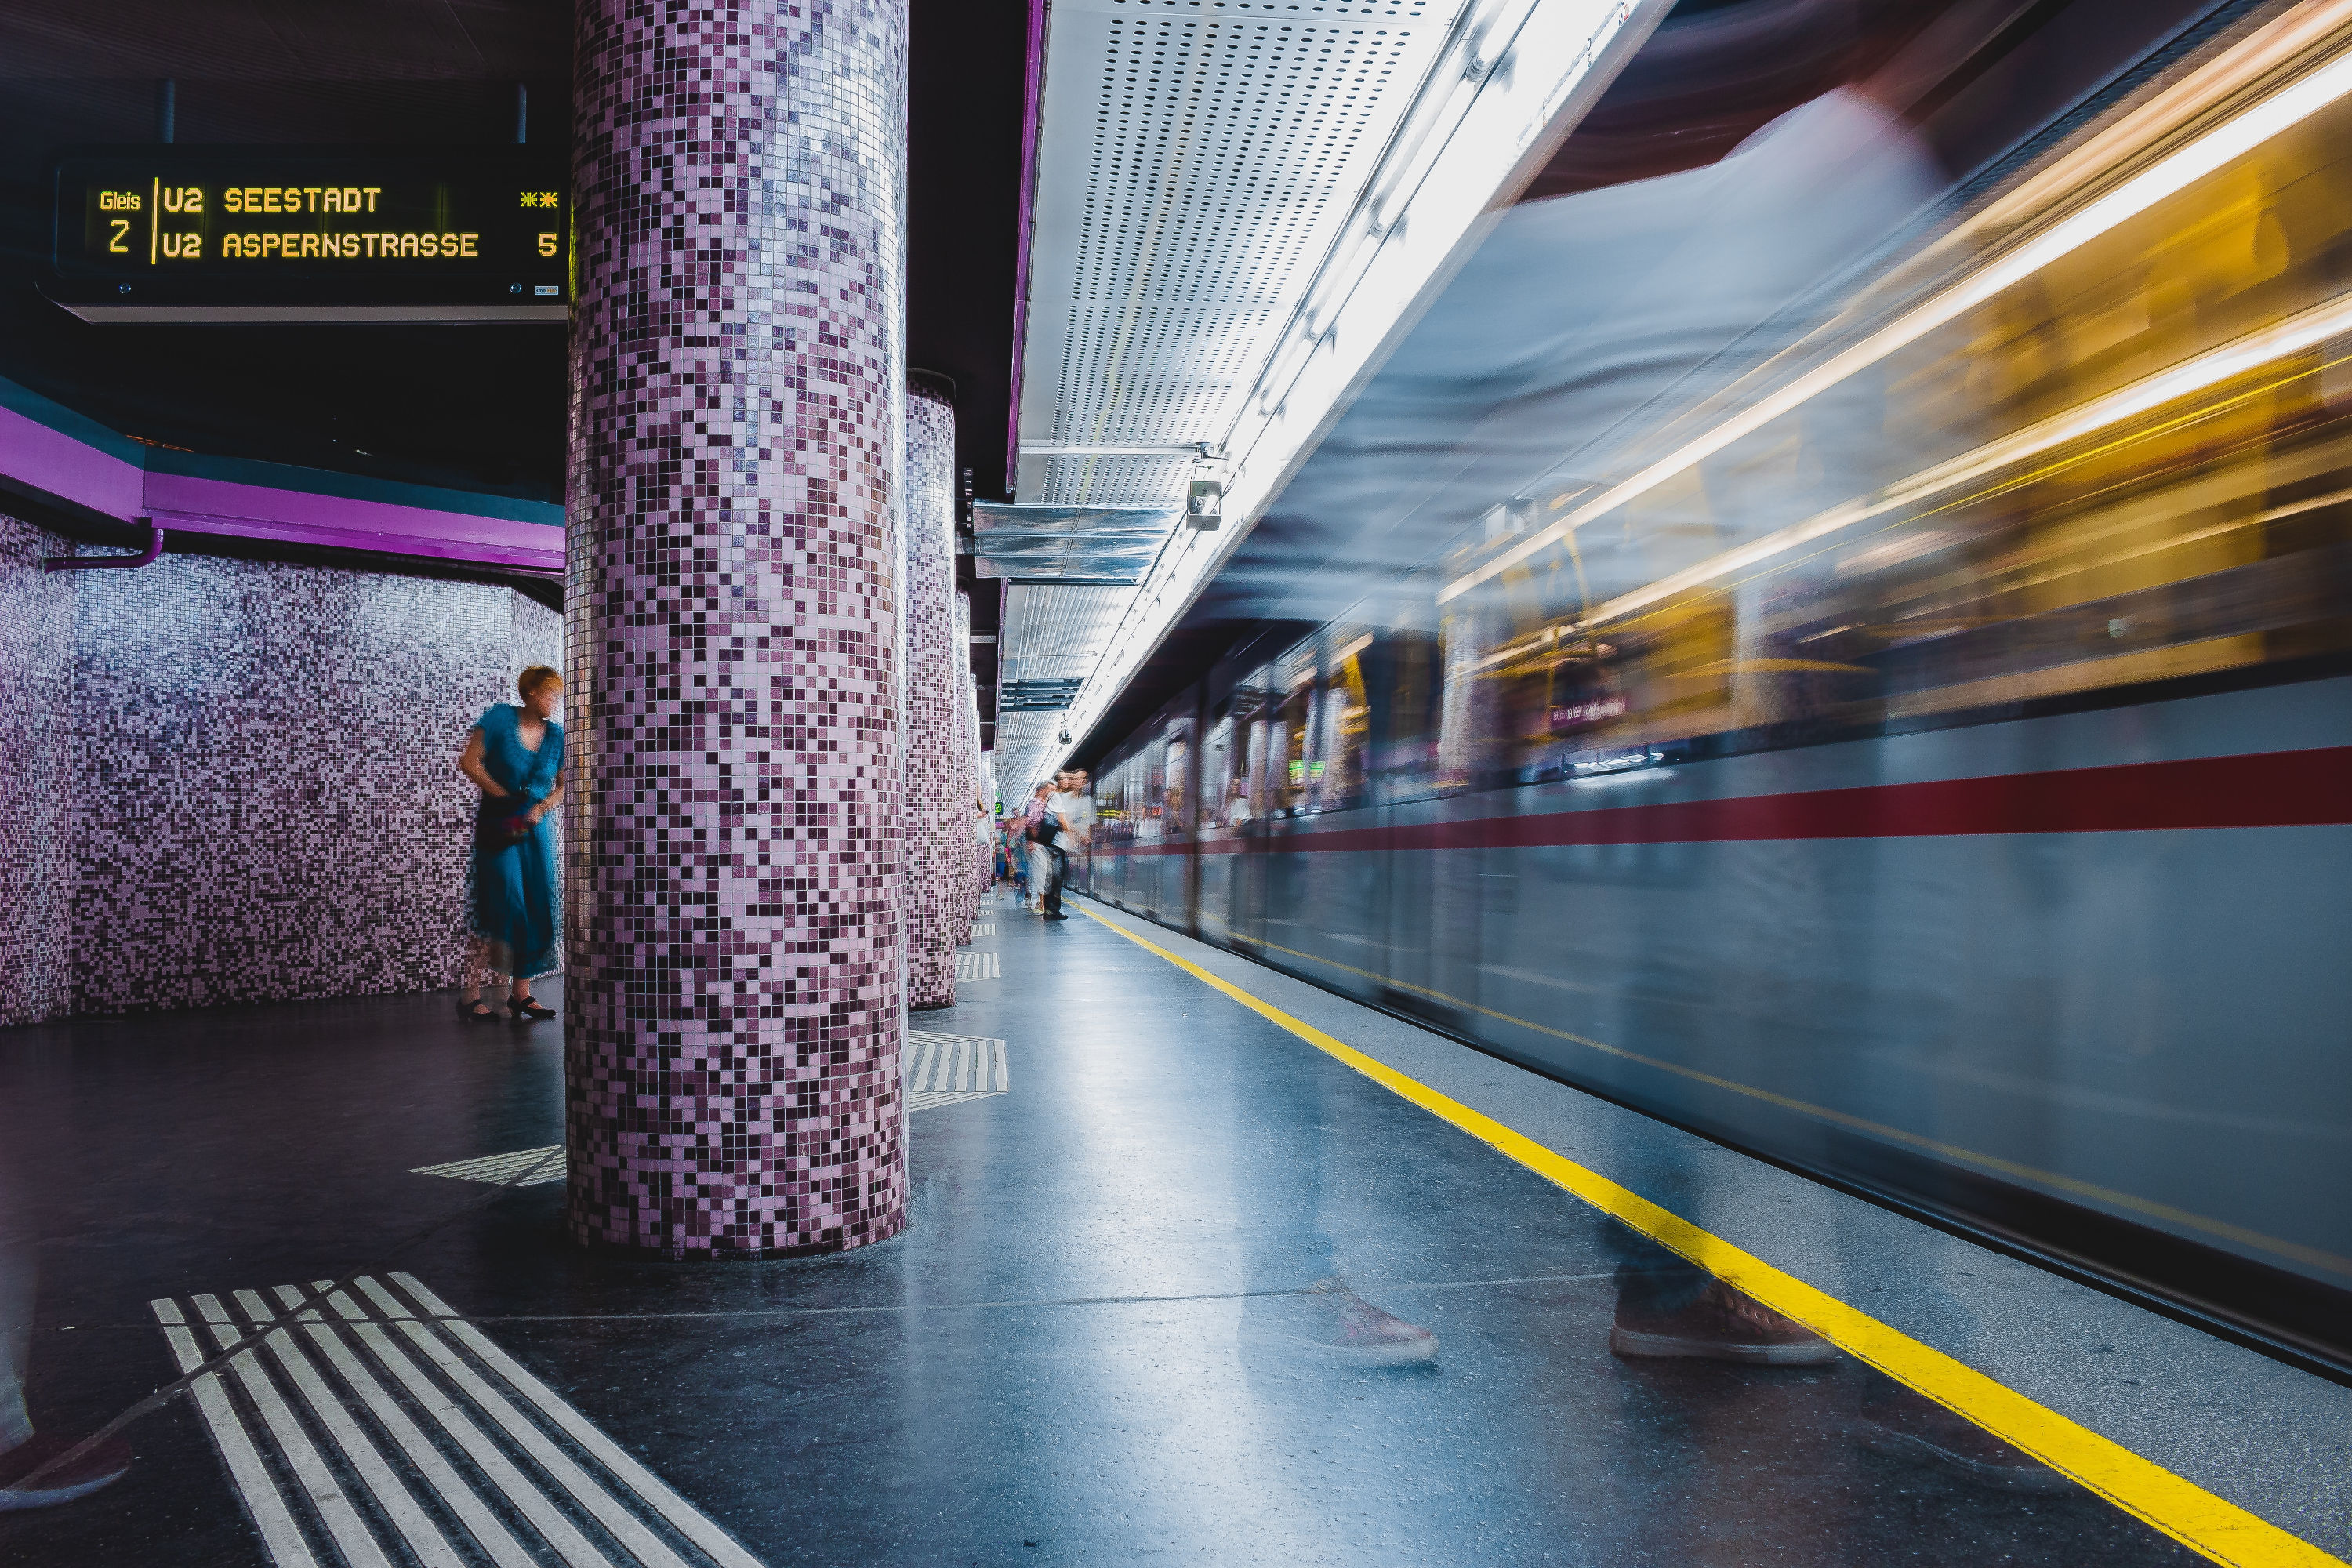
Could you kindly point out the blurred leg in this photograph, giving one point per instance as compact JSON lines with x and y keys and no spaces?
{"x":19,"y":1277}
{"x":24,"y":1456}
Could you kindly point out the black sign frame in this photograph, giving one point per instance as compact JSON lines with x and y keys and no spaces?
{"x":230,"y":234}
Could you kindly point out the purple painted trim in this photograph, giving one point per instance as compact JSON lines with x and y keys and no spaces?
{"x":258,"y":512}
{"x":57,"y":464}
{"x":1033,"y":111}
{"x":407,"y":543}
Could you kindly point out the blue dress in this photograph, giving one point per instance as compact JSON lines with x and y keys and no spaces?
{"x":513,"y":892}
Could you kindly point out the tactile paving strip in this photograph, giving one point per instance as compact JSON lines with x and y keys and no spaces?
{"x":386,"y":1431}
{"x":496,"y":1169}
{"x":942,"y":1069}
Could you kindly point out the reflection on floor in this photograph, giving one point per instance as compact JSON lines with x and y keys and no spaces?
{"x":518,"y":1167}
{"x":1195,"y":1293}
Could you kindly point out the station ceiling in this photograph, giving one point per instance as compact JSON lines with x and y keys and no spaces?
{"x":1973,"y":77}
{"x":1202,"y":166}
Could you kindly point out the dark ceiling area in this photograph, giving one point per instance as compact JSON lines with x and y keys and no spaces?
{"x":476,"y":407}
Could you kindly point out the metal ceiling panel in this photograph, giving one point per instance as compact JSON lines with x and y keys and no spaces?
{"x":1080,"y":544}
{"x":1054,"y":635}
{"x":1239,"y":204}
{"x":1196,"y":163}
{"x":1054,"y":632}
{"x":1023,"y":739}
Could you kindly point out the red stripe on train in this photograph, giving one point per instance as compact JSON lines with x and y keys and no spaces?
{"x":2269,"y":789}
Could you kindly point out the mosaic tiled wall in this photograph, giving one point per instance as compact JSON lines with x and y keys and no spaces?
{"x":36,"y":864}
{"x":234,"y":780}
{"x":934,"y":706}
{"x":737,"y":375}
{"x":267,"y":804}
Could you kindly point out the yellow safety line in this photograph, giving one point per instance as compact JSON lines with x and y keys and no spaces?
{"x":2213,"y":1526}
{"x":2223,"y":1228}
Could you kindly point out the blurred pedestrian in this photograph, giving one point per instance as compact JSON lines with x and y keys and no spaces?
{"x":514,"y":755}
{"x":37,"y":1470}
{"x":1070,"y":811}
{"x":1035,"y":861}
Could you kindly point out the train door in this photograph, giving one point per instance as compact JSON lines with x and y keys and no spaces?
{"x":1253,"y":809}
{"x":1438,"y":720}
{"x":1341,"y":917}
{"x":1178,"y":871}
{"x":1150,"y":803}
{"x":1111,"y":865}
{"x":1285,"y":911}
{"x":1223,"y":763}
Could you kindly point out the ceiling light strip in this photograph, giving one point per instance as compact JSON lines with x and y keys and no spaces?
{"x":2234,"y":137}
{"x":2306,"y":331}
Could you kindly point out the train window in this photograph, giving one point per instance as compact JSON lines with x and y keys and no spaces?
{"x":1287,"y":742}
{"x":1218,"y":769}
{"x":1151,"y":781}
{"x":1253,"y":795}
{"x":1177,"y":745}
{"x":1342,"y":729}
{"x":1401,"y":680}
{"x":1470,"y":719}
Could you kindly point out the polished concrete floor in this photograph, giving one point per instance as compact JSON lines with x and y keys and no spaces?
{"x":1099,"y":1341}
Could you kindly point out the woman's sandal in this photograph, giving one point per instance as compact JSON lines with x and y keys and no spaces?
{"x":476,"y":1011}
{"x":528,"y":1011}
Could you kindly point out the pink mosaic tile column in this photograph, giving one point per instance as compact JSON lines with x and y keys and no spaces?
{"x":733,"y":995}
{"x":966,"y":892}
{"x":932,"y":732}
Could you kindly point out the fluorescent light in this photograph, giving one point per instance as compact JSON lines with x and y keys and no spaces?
{"x":1197,"y":449}
{"x":2302,"y":332}
{"x":2289,"y":106}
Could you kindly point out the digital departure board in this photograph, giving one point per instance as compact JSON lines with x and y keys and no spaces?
{"x":232,"y":233}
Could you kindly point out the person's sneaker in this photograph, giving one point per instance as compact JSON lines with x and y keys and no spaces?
{"x":1354,"y":1329}
{"x":103,"y":1466}
{"x":1723,"y":1324}
{"x":1899,"y":1425}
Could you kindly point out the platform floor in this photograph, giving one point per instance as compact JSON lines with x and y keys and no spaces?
{"x":1099,"y":1341}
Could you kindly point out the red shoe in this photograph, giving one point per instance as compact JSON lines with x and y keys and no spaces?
{"x":1356,"y":1331}
{"x":1723,"y":1324}
{"x":103,"y":1466}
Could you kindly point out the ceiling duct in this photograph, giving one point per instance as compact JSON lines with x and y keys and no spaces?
{"x":1097,"y":544}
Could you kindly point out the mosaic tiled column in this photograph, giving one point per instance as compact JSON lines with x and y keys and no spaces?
{"x":733,"y":1006}
{"x":986,"y":868}
{"x":932,"y":848}
{"x":967,"y":711}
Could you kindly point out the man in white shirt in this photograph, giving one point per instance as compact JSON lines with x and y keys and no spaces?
{"x":1071,"y":809}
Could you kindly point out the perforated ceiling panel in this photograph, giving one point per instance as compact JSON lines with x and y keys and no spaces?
{"x":1056,"y":633}
{"x":1197,"y":160}
{"x":1025,"y":741}
{"x":1051,"y":633}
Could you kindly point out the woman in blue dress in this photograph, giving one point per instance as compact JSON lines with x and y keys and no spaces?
{"x":514,"y":755}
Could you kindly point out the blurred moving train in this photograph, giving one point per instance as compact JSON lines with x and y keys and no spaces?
{"x":1907,"y":733}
